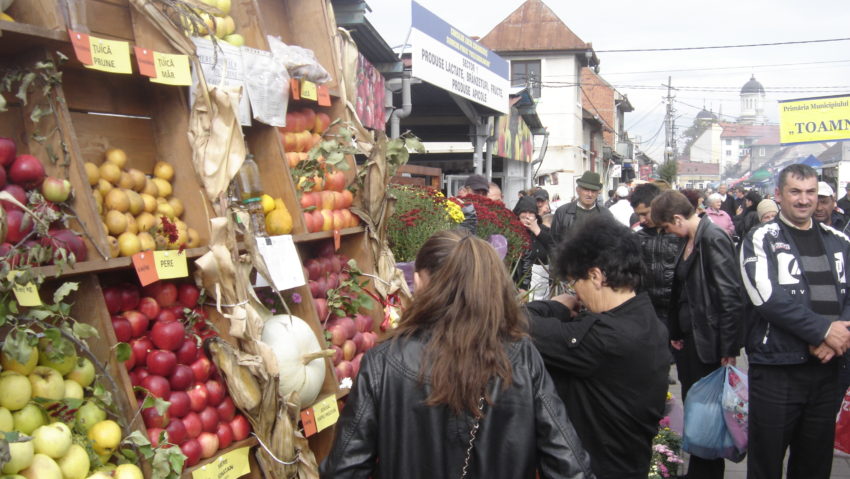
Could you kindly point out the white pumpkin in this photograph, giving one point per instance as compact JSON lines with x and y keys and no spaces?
{"x":294,"y":344}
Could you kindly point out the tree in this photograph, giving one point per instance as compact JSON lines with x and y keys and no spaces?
{"x":668,"y":170}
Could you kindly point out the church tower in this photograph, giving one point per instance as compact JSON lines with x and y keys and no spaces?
{"x":752,"y":103}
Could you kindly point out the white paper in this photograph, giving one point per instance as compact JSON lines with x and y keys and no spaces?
{"x":222,"y":68}
{"x":268,"y":86}
{"x":282,"y":260}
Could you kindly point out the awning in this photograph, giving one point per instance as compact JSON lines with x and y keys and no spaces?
{"x":811,"y":161}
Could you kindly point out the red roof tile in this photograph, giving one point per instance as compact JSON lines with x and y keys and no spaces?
{"x":532,"y":27}
{"x":735,"y":130}
{"x":697,"y":168}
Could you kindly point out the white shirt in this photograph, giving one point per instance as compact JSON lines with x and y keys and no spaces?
{"x":622,"y":211}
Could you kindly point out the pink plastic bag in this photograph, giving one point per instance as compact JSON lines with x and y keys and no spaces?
{"x":842,"y":425}
{"x":736,"y":406}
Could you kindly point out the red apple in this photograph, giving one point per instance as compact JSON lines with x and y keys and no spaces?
{"x":337,"y":335}
{"x":177,"y":310}
{"x":129,"y":297}
{"x":240,"y":427}
{"x":176,"y":431}
{"x":321,"y":308}
{"x":201,"y":367}
{"x":157,"y":386}
{"x":168,"y":335}
{"x":161,"y":362}
{"x":321,"y":123}
{"x":192,"y":422}
{"x":137,"y":375}
{"x":123,"y":330}
{"x":181,"y":378}
{"x":154,"y":435}
{"x":19,"y":225}
{"x":349,"y":349}
{"x":358,"y":340}
{"x":188,"y":351}
{"x":192,"y":450}
{"x":166,"y":295}
{"x":149,"y":307}
{"x":56,"y":190}
{"x":140,"y":347}
{"x":130,"y":362}
{"x":188,"y":294}
{"x":112,"y":296}
{"x":225,"y":435}
{"x":355,"y":364}
{"x":198,"y":397}
{"x":67,"y":240}
{"x":226,"y":409}
{"x":138,"y":321}
{"x":27,"y":171}
{"x":209,"y":444}
{"x":370,"y":338}
{"x":180,"y":404}
{"x":363,"y":322}
{"x":215,"y":392}
{"x":209,"y":418}
{"x":154,"y":419}
{"x":314,"y":268}
{"x":8,"y":151}
{"x":343,"y":370}
{"x":337,"y":355}
{"x":166,"y":315}
{"x":18,"y":193}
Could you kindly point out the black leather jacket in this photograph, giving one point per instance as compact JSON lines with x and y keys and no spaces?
{"x":715,"y":296}
{"x":660,"y":253}
{"x":562,"y":221}
{"x":386,"y":430}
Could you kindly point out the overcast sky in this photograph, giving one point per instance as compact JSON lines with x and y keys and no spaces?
{"x":786,"y":71}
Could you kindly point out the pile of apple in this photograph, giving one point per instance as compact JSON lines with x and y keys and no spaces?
{"x":350,"y":337}
{"x":57,"y":448}
{"x":220,"y":24}
{"x":167,"y":362}
{"x":20,"y":174}
{"x":328,"y":210}
{"x":303,"y":129}
{"x":132,"y":205}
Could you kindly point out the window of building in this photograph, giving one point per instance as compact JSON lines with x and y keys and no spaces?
{"x":728,"y":152}
{"x":761,"y":151}
{"x":526,"y":73}
{"x":728,"y":142}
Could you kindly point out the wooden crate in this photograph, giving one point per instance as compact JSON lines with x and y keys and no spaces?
{"x":48,"y":14}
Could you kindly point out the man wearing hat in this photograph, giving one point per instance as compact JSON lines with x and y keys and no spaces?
{"x":574,"y":214}
{"x":825,"y":211}
{"x":474,"y":185}
{"x":622,"y":209}
{"x":542,"y":197}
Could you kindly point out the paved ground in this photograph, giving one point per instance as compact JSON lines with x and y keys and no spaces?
{"x":840,"y":464}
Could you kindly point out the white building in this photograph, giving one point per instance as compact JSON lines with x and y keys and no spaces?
{"x":547,"y":56}
{"x":752,"y":103}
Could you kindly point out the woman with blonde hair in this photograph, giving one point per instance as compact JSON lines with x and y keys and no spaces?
{"x":458,"y":390}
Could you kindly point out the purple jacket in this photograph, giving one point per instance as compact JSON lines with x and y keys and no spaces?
{"x":721,"y":219}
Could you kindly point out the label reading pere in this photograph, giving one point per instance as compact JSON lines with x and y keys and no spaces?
{"x":232,"y":465}
{"x":170,"y":264}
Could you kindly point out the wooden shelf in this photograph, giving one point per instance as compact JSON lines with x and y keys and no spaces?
{"x":101,"y":266}
{"x":250,"y":441}
{"x":21,"y":37}
{"x":326,"y":234}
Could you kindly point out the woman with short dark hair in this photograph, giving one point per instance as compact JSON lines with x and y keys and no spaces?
{"x":458,"y":390}
{"x":706,"y":304}
{"x":610,"y":362}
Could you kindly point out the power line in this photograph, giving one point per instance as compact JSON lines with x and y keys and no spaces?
{"x":716,"y":47}
{"x":744,"y":67}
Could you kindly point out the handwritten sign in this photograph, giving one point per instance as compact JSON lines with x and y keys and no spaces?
{"x":172,"y":69}
{"x":145,"y":267}
{"x":26,"y":294}
{"x":170,"y":264}
{"x":282,"y":260}
{"x":308,"y":90}
{"x":110,"y":55}
{"x":232,"y":465}
{"x":320,"y":416}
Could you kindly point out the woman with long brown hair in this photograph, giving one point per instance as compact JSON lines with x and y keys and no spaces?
{"x":458,"y":390}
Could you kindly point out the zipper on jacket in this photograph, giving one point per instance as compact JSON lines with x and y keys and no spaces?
{"x":766,"y":332}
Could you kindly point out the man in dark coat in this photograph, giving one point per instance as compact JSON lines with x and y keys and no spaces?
{"x":727,"y":203}
{"x":573,"y":215}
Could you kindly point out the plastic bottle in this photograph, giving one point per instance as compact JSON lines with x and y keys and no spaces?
{"x":250,"y":190}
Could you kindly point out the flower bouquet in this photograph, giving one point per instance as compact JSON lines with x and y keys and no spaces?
{"x":495,"y":219}
{"x":420,"y":211}
{"x":666,"y":447}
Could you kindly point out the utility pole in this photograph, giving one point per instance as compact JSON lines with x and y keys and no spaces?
{"x":669,"y":124}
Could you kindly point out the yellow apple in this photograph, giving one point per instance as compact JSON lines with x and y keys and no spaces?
{"x":235,"y":39}
{"x":105,"y":436}
{"x":29,"y":418}
{"x":42,"y":467}
{"x":224,"y":6}
{"x":15,"y":390}
{"x":75,"y":463}
{"x":52,"y":440}
{"x":88,"y":415}
{"x":83,"y":372}
{"x":47,"y":383}
{"x":6,"y":421}
{"x":10,"y":364}
{"x":22,"y":454}
{"x":73,"y":390}
{"x":128,"y":471}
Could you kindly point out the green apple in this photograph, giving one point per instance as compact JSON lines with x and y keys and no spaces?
{"x":10,"y":364}
{"x":47,"y":383}
{"x":235,"y":39}
{"x":22,"y":454}
{"x":64,"y":365}
{"x":7,"y":423}
{"x":73,"y":390}
{"x":15,"y":390}
{"x":30,"y":418}
{"x":52,"y":440}
{"x":83,"y":372}
{"x":75,"y":463}
{"x":42,"y":467}
{"x":88,"y":415}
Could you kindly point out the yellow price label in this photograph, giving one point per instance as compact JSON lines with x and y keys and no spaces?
{"x":170,"y":264}
{"x":308,"y":90}
{"x":171,"y":69}
{"x":226,"y":466}
{"x":26,"y":294}
{"x":326,"y":413}
{"x":110,"y":55}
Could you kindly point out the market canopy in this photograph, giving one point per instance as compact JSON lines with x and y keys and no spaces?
{"x":759,"y":175}
{"x":811,"y":161}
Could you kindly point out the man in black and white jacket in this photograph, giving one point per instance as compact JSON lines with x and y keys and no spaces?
{"x":794,"y":271}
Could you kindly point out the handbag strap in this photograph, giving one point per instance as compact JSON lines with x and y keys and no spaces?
{"x":475,"y":425}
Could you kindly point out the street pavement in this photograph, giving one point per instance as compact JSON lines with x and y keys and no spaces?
{"x":840,"y":463}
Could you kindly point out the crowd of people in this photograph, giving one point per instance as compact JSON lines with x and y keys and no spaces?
{"x":571,"y":381}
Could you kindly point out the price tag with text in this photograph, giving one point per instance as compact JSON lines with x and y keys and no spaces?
{"x":294,"y":89}
{"x":26,"y":294}
{"x":111,"y":56}
{"x":172,"y":69}
{"x":145,"y":267}
{"x":232,"y":465}
{"x":170,"y":264}
{"x":282,"y":261}
{"x":324,"y":96}
{"x":308,"y":90}
{"x":320,"y":416}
